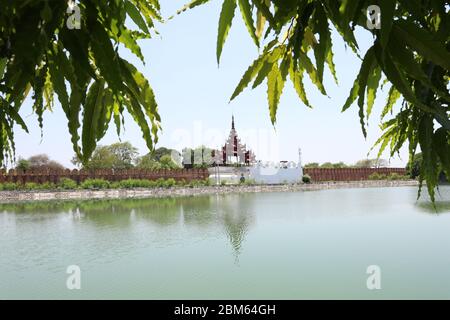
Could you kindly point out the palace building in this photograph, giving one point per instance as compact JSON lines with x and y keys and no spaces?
{"x":233,"y":152}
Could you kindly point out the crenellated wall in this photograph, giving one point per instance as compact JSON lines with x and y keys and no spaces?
{"x":53,"y":176}
{"x":348,"y":174}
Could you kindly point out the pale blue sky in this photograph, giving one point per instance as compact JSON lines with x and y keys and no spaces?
{"x":193,"y":93}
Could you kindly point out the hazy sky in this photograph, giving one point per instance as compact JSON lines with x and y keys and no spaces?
{"x":193,"y":94}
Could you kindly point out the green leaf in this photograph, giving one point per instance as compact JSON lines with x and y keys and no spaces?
{"x":106,"y":57}
{"x":387,"y":8}
{"x":192,"y":5}
{"x":441,"y":144}
{"x":247,"y":16}
{"x":249,"y":75}
{"x":424,"y":43}
{"x":12,"y":112}
{"x":321,"y":50}
{"x":143,"y":93}
{"x":367,"y":66}
{"x":260,"y":25}
{"x":107,"y":107}
{"x":330,"y":63}
{"x":398,"y":79}
{"x":3,"y":63}
{"x":225,"y":20}
{"x":297,"y":80}
{"x":306,"y":64}
{"x":372,"y":88}
{"x":275,"y":86}
{"x":92,"y":111}
{"x":136,"y":112}
{"x":263,"y":7}
{"x":353,"y":95}
{"x":263,"y":73}
{"x":393,"y":96}
{"x":127,"y":38}
{"x":428,"y":170}
{"x":135,"y":15}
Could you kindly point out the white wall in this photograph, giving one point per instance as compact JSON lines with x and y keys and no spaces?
{"x":274,"y":175}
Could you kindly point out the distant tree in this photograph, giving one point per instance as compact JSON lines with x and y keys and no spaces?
{"x":340,"y":165}
{"x":327,"y":165}
{"x":42,"y":161}
{"x":38,"y":160}
{"x":162,"y":151}
{"x":166,"y":162}
{"x":126,"y":154}
{"x":23,"y":164}
{"x":148,"y":162}
{"x":102,"y":158}
{"x":312,"y":165}
{"x":121,"y":155}
{"x":330,"y":165}
{"x":157,"y":154}
{"x":372,"y":163}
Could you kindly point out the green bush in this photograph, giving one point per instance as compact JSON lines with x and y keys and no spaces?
{"x":169,"y":183}
{"x":374,"y":176}
{"x":377,"y":176}
{"x":135,"y":183}
{"x":396,"y":176}
{"x":160,"y":183}
{"x":95,"y":184}
{"x":223,"y":183}
{"x":9,"y":186}
{"x":115,"y":185}
{"x":67,"y":184}
{"x":306,"y":178}
{"x":47,"y":186}
{"x":195,"y":183}
{"x":30,"y":186}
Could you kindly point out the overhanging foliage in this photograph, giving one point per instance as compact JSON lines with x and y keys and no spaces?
{"x":410,"y":51}
{"x":41,"y":52}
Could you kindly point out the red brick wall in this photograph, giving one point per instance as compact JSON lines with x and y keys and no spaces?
{"x":42,"y":176}
{"x":348,"y":174}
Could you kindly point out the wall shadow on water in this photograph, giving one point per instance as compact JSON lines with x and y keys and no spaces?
{"x":234,"y":214}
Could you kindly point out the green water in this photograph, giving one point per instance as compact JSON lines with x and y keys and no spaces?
{"x":247,"y":246}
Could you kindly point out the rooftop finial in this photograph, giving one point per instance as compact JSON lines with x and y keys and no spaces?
{"x":232,"y":122}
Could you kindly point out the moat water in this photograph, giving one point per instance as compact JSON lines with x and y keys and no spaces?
{"x":299,"y":245}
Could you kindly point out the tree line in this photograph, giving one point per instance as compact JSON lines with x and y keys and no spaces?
{"x":123,"y":155}
{"x":363,"y":163}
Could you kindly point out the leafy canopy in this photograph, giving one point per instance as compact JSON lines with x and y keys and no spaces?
{"x":410,"y":52}
{"x":41,"y":52}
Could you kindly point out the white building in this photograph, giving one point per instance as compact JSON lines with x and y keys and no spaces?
{"x":284,"y":172}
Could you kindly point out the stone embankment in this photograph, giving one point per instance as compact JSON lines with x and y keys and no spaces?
{"x":41,"y":195}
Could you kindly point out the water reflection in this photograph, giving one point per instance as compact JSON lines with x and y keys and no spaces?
{"x":438,"y":208}
{"x":233,"y":214}
{"x":441,"y":205}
